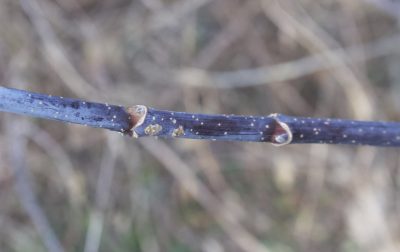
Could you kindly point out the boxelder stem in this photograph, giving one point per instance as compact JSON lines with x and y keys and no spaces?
{"x":139,"y":120}
{"x":58,"y":108}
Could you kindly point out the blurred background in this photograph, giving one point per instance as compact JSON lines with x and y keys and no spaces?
{"x":68,"y":187}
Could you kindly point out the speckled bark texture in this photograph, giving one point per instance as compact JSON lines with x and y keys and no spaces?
{"x":204,"y":126}
{"x":92,"y":114}
{"x":340,"y":131}
{"x":139,"y":121}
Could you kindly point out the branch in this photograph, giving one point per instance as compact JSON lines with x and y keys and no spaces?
{"x":139,"y":121}
{"x":62,"y":109}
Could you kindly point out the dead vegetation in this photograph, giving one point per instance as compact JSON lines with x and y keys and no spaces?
{"x":78,"y":189}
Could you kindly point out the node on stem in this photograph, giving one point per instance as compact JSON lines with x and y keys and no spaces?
{"x":137,"y":115}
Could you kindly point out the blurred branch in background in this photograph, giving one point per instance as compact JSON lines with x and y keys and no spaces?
{"x":56,"y":56}
{"x":331,"y":58}
{"x":314,"y":38}
{"x":17,"y":144}
{"x":219,"y":210}
{"x":103,"y":192}
{"x":289,"y":70}
{"x":390,"y":7}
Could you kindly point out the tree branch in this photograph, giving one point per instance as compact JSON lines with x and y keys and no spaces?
{"x":139,"y":121}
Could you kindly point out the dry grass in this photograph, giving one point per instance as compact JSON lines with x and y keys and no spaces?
{"x":66,"y":187}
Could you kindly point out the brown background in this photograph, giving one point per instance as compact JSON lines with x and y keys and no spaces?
{"x":92,"y":190}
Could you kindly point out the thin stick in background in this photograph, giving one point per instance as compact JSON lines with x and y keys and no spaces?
{"x":217,"y":209}
{"x":24,"y":189}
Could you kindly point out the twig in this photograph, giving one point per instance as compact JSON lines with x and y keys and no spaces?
{"x":24,"y":189}
{"x":389,"y":7}
{"x":91,"y":114}
{"x":314,"y":38}
{"x":61,"y":161}
{"x":287,"y":70}
{"x":53,"y":51}
{"x":103,"y":190}
{"x":139,"y":121}
{"x":218,"y":209}
{"x":173,"y":15}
